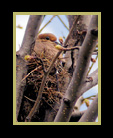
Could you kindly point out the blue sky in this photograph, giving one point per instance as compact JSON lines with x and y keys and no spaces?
{"x":57,"y":28}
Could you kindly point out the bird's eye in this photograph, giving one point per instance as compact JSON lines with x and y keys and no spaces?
{"x":47,"y":38}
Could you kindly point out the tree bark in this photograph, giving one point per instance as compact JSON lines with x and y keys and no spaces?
{"x":75,"y":37}
{"x":77,"y":24}
{"x":76,"y":116}
{"x":21,"y":68}
{"x":89,"y":84}
{"x":80,"y":73}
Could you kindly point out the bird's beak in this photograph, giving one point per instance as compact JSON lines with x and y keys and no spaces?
{"x":57,"y":43}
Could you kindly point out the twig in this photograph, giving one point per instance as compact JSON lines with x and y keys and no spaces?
{"x":92,"y":65}
{"x":90,"y":84}
{"x":49,"y":105}
{"x":37,"y":68}
{"x":90,"y":97}
{"x":40,"y":61}
{"x":29,"y":99}
{"x":92,"y":112}
{"x":69,"y":49}
{"x":46,"y":24}
{"x":95,"y":53}
{"x":71,"y":30}
{"x":63,"y":22}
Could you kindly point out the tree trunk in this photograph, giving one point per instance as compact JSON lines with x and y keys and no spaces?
{"x":21,"y":68}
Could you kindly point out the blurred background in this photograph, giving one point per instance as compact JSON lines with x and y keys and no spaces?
{"x":58,"y":25}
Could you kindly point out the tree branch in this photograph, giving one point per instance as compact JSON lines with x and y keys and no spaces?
{"x":92,"y":112}
{"x":21,"y":69}
{"x":90,"y":84}
{"x":30,"y":34}
{"x":77,"y":24}
{"x":76,"y":116}
{"x":80,"y":73}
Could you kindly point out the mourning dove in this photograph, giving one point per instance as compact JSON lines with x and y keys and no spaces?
{"x":45,"y":44}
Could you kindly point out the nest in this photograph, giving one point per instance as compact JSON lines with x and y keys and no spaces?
{"x":52,"y":90}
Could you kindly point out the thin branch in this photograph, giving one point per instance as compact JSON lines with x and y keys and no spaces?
{"x":79,"y":74}
{"x":90,"y":84}
{"x":92,"y":112}
{"x":92,"y":65}
{"x":36,"y":69}
{"x":46,"y":24}
{"x":63,"y":22}
{"x":49,"y":104}
{"x":95,"y":53}
{"x":71,"y":30}
{"x":68,"y":49}
{"x":29,"y":99}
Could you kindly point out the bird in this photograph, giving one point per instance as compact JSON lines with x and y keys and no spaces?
{"x":45,"y":45}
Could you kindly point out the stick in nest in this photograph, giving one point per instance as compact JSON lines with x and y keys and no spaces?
{"x":36,"y":69}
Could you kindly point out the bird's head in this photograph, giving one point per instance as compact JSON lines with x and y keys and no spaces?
{"x":47,"y":42}
{"x":47,"y":36}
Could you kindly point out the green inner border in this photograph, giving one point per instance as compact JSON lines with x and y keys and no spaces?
{"x":14,"y":68}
